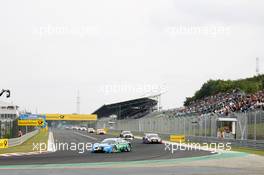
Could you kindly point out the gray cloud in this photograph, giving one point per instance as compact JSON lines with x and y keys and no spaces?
{"x":87,"y":45}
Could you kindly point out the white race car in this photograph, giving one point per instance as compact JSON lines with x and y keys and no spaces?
{"x":127,"y":135}
{"x":83,"y":128}
{"x":151,"y":138}
{"x":91,"y":130}
{"x":74,"y":127}
{"x":100,"y":132}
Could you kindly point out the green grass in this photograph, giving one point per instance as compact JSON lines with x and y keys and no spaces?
{"x":240,"y":149}
{"x":41,"y":137}
{"x":249,"y":150}
{"x":114,"y":133}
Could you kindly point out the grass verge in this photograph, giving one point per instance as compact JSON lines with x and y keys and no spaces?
{"x":41,"y":137}
{"x":249,"y":150}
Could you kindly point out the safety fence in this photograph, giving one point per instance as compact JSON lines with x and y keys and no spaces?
{"x":247,"y":126}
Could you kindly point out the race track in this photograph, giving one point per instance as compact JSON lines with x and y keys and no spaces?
{"x":139,"y":152}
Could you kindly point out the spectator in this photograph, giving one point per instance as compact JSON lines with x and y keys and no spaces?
{"x":20,"y":133}
{"x":222,"y":104}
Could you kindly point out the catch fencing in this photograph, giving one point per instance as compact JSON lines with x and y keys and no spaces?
{"x":248,"y":126}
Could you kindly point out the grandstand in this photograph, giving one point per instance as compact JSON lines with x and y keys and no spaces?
{"x":224,"y":97}
{"x":135,"y":108}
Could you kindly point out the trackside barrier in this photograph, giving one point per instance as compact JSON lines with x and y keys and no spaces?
{"x":237,"y":143}
{"x":3,"y":143}
{"x":249,"y":127}
{"x":22,"y":139}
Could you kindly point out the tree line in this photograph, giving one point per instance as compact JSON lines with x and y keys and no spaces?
{"x":213,"y":87}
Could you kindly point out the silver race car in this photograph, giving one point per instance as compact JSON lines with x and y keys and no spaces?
{"x":151,"y":138}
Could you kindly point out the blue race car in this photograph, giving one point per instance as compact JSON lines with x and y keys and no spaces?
{"x":112,"y":145}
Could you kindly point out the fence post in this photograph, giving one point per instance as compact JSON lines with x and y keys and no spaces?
{"x":184,"y":126}
{"x":205,"y":126}
{"x":255,"y":125}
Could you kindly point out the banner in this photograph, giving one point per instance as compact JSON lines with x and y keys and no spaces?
{"x":31,"y":116}
{"x":72,"y":117}
{"x":3,"y":143}
{"x":38,"y":122}
{"x":177,"y":138}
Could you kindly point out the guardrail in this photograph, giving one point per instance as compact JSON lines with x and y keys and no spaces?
{"x":22,"y":139}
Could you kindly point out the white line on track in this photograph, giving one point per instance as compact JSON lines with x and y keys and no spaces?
{"x":22,"y":154}
{"x":51,"y":145}
{"x":93,"y":138}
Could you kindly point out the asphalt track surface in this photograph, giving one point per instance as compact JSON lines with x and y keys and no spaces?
{"x":139,"y":152}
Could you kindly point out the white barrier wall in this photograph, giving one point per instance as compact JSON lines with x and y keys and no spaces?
{"x":20,"y":140}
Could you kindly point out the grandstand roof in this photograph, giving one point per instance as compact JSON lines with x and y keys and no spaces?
{"x":128,"y":109}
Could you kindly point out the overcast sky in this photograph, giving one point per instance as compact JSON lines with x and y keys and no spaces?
{"x":114,"y":50}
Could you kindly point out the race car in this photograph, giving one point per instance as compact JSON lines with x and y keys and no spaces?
{"x":112,"y":145}
{"x":75,"y":128}
{"x":91,"y":130}
{"x":100,"y":132}
{"x":151,"y":138}
{"x":127,"y":135}
{"x":83,"y":128}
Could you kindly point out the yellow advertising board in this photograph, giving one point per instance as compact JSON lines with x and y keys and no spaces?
{"x":177,"y":138}
{"x":3,"y":143}
{"x":46,"y":129}
{"x":36,"y":122}
{"x":106,"y":130}
{"x":72,"y":117}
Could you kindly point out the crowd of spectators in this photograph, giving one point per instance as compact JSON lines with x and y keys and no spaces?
{"x":223,"y":104}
